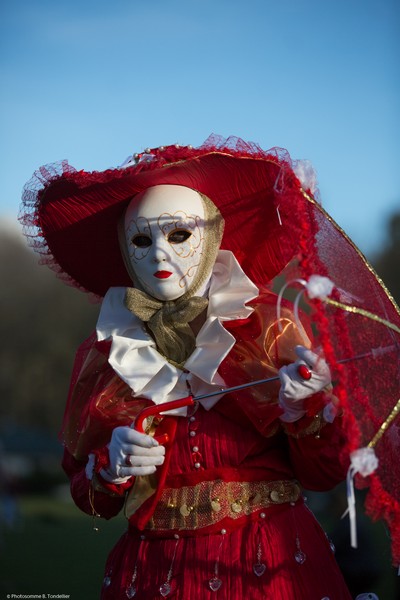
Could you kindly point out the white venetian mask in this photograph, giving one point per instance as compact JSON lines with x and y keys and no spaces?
{"x":164,"y":233}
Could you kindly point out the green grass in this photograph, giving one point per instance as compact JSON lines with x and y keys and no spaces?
{"x":54,"y":550}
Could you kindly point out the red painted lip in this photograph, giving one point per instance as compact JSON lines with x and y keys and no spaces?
{"x":162,"y":274}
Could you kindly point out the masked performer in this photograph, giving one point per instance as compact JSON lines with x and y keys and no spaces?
{"x":181,"y":243}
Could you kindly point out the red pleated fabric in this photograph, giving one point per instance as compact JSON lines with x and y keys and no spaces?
{"x":236,"y":554}
{"x":272,"y":537}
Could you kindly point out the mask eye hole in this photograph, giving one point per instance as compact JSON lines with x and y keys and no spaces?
{"x":141,"y":241}
{"x":179,"y":236}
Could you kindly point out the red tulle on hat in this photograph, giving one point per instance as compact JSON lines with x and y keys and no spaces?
{"x":71,"y":216}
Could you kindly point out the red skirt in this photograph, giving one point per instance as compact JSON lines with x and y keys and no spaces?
{"x":281,"y":555}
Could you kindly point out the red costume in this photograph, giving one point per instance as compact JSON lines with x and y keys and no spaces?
{"x":227,"y":506}
{"x":223,"y":516}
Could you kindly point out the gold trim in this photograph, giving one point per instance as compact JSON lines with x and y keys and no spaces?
{"x":315,"y":427}
{"x":385,"y":425}
{"x":95,"y":514}
{"x":96,"y":486}
{"x":209,"y":502}
{"x":199,"y":156}
{"x":396,"y":409}
{"x":363,"y":312}
{"x":358,"y":251}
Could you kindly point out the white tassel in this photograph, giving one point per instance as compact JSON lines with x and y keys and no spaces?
{"x":316,"y":287}
{"x":279,"y":215}
{"x":365,"y":462}
{"x":302,"y":282}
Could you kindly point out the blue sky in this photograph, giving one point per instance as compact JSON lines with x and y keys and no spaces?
{"x":94,"y":81}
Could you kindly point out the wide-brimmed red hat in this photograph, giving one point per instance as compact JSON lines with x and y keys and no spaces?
{"x":74,"y":214}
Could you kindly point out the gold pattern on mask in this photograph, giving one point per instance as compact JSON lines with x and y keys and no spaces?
{"x":188,"y":274}
{"x":178,"y":221}
{"x":140,"y":226}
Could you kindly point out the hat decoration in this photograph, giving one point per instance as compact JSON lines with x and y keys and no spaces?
{"x":71,"y":216}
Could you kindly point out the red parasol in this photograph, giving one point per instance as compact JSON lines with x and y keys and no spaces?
{"x":358,"y":318}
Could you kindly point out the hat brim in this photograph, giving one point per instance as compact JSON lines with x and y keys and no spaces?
{"x":77,"y":212}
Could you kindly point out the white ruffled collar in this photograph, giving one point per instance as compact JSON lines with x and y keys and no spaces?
{"x":133,"y":354}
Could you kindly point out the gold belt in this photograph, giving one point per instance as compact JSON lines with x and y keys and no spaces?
{"x":207,"y":503}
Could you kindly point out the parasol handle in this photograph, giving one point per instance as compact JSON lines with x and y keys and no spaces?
{"x":156,"y":409}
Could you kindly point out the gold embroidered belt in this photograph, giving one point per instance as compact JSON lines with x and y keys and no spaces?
{"x":207,"y":503}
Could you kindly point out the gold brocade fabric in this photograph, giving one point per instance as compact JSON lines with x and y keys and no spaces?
{"x":168,"y":321}
{"x":208,"y":502}
{"x":143,"y":488}
{"x":314,"y":427}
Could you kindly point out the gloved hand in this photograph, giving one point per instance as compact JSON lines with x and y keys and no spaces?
{"x":294,"y":389}
{"x":131,"y":453}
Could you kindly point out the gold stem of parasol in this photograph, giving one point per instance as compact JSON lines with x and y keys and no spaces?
{"x":360,"y":311}
{"x":396,"y":410}
{"x":364,"y":313}
{"x":385,"y":425}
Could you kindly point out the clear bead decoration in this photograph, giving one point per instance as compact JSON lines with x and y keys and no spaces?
{"x":215,"y":583}
{"x":300,"y":557}
{"x":259,"y":569}
{"x":131,"y":591}
{"x":332,"y":546}
{"x":165,"y":589}
{"x":107,"y":581}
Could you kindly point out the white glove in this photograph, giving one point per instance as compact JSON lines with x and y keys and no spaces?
{"x":131,"y":453}
{"x":294,"y":389}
